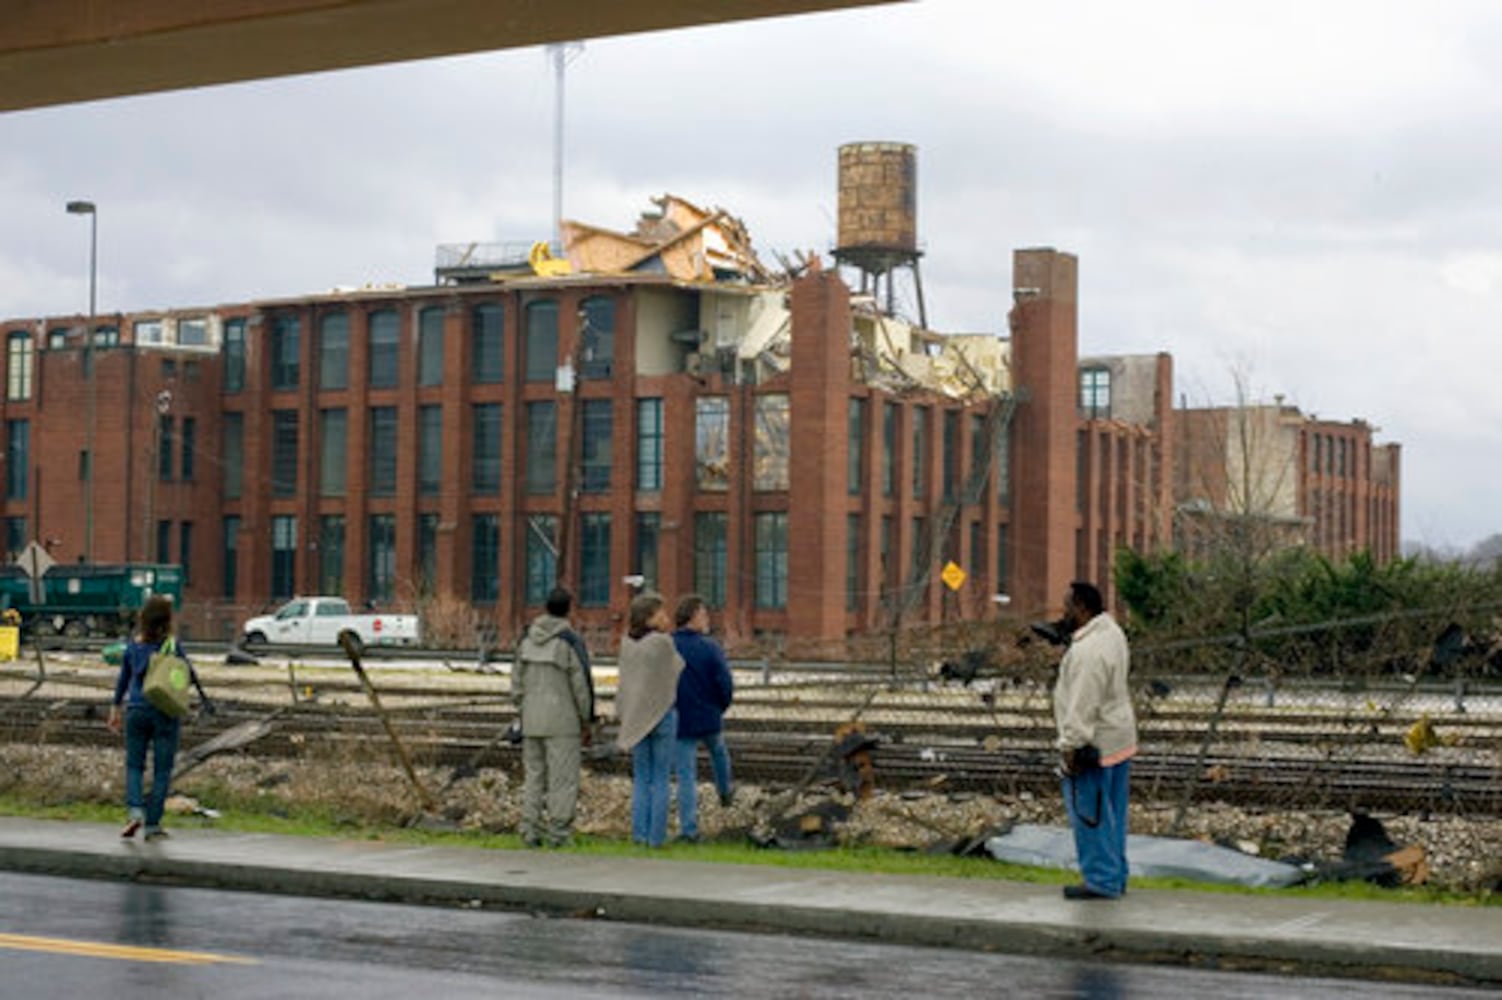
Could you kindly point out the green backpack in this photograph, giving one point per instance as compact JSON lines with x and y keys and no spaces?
{"x":167,"y":679}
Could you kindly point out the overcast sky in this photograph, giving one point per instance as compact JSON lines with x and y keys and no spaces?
{"x":1309,"y":193}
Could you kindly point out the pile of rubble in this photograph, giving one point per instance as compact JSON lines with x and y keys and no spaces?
{"x":1459,"y":853}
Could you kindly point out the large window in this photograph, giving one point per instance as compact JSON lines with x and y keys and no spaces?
{"x":16,"y":535}
{"x":190,"y":447}
{"x":427,"y":551}
{"x":283,"y":556}
{"x":1095,"y":393}
{"x":381,"y":585}
{"x":597,"y":359}
{"x":595,"y":476}
{"x":594,"y":561}
{"x":283,"y":453}
{"x":382,"y":450}
{"x":888,"y":449}
{"x":333,"y":461}
{"x":234,"y":355}
{"x":166,"y":443}
{"x":430,"y":346}
{"x":234,"y":454}
{"x":185,"y":550}
{"x":164,"y":541}
{"x":951,"y":456}
{"x":542,"y":557}
{"x":769,"y":451}
{"x":429,"y":449}
{"x":18,"y":358}
{"x":852,"y":562}
{"x":486,"y":471}
{"x":17,"y":458}
{"x":385,"y":348}
{"x":487,"y":332}
{"x":920,"y":451}
{"x":286,"y":345}
{"x":918,"y":558}
{"x":231,"y":557}
{"x":772,"y":560}
{"x":977,"y":458}
{"x":485,"y":558}
{"x":712,"y":442}
{"x":542,"y":342}
{"x":644,"y":561}
{"x":333,"y":352}
{"x":331,"y":554}
{"x":649,"y":444}
{"x":709,"y":556}
{"x":542,"y":446}
{"x":855,"y":446}
{"x":1001,"y":558}
{"x":1004,"y":463}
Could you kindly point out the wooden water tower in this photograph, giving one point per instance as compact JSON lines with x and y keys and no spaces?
{"x":878,"y":226}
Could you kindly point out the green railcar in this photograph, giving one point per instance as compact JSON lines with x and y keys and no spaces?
{"x":81,"y":599}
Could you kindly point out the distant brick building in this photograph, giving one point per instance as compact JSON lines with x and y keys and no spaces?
{"x":1310,"y":482}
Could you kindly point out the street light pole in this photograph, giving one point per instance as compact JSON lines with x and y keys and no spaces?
{"x":88,"y":208}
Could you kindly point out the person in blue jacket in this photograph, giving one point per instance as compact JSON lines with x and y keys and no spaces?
{"x":705,"y":690}
{"x":145,"y":724}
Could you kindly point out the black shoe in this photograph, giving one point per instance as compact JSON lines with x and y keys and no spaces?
{"x":727,"y":799}
{"x":1083,"y":892}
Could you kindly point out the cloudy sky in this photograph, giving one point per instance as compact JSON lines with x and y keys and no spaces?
{"x":1306,"y":193}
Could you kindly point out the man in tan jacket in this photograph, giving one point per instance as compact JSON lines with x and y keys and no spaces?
{"x":1097,"y":740}
{"x":554,"y":700}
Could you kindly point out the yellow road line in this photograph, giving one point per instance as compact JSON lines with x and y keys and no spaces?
{"x":128,"y":953}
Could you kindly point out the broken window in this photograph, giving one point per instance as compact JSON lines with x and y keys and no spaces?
{"x":770,"y":448}
{"x":597,"y":360}
{"x":712,"y":442}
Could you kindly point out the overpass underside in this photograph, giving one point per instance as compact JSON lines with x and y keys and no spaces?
{"x":63,"y":51}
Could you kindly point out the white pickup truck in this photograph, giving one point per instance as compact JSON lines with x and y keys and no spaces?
{"x":320,"y":621}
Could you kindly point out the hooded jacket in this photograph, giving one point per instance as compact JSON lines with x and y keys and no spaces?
{"x":548,"y":683}
{"x":1091,"y":703}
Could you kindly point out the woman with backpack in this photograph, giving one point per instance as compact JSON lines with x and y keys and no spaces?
{"x":145,"y":724}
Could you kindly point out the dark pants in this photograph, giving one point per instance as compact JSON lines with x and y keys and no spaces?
{"x":1097,"y":803}
{"x":144,"y":724}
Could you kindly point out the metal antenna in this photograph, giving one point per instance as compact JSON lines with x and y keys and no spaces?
{"x":561,"y":54}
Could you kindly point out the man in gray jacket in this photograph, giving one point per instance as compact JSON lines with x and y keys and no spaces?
{"x":1097,"y":740}
{"x":554,"y":699}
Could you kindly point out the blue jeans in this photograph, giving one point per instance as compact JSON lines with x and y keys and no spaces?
{"x":688,"y":776}
{"x":1097,"y":805}
{"x":651,"y":771}
{"x":145,"y":724}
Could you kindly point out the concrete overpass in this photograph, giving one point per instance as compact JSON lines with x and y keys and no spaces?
{"x":62,"y":51}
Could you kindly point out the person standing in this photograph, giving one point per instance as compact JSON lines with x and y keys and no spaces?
{"x":145,"y":725}
{"x":555,"y":701}
{"x":1097,"y":740}
{"x":705,"y":690}
{"x":649,"y":666}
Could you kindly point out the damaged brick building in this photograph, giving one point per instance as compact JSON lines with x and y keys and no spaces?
{"x":653,"y":403}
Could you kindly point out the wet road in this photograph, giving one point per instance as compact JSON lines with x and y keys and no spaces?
{"x":65,"y":938}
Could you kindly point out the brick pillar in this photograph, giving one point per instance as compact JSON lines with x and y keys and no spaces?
{"x":453,"y":568}
{"x":819,"y":391}
{"x":1044,"y":362}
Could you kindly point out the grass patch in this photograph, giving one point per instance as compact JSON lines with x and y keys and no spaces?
{"x":252,"y":814}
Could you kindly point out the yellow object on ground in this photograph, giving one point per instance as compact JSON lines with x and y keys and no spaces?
{"x":10,"y":642}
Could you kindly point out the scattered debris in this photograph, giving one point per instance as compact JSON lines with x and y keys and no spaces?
{"x":1370,"y":854}
{"x":233,"y":738}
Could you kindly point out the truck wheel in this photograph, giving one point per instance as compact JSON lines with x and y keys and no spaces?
{"x":255,"y":640}
{"x":75,"y":629}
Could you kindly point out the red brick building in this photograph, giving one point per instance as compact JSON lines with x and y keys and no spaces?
{"x":757,"y":443}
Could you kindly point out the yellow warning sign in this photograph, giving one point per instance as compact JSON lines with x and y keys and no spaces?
{"x":953,"y":576}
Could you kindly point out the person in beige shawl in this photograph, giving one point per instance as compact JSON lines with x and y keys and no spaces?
{"x":649,"y":666}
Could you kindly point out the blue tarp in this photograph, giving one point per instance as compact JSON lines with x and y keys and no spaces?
{"x":1148,"y":857}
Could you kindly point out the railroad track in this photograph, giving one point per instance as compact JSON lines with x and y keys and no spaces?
{"x":1296,"y":761}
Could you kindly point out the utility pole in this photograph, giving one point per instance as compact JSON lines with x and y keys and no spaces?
{"x":573,"y":458}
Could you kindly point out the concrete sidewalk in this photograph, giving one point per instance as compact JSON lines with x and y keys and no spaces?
{"x":1333,"y":937}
